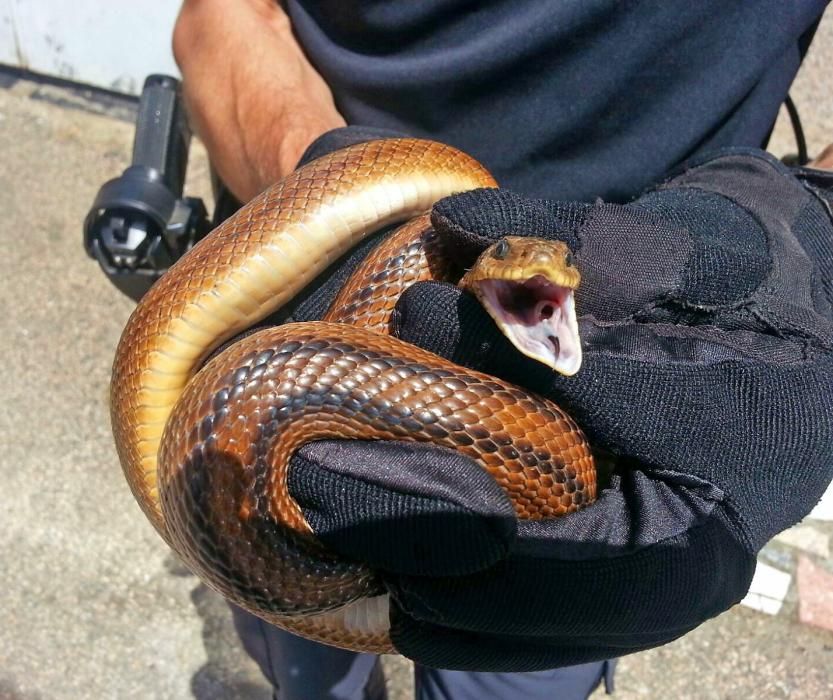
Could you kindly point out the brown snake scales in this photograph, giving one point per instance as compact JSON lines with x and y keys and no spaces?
{"x":205,"y":449}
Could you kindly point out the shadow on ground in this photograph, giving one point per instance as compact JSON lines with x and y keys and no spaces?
{"x":224,"y":675}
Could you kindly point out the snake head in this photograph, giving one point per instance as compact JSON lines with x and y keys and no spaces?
{"x":527,"y":286}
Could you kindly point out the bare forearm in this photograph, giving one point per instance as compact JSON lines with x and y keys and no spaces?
{"x":252,"y":95}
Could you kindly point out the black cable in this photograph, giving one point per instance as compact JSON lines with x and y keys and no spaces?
{"x":795,"y":120}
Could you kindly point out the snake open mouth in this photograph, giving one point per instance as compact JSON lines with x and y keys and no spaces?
{"x":539,"y":317}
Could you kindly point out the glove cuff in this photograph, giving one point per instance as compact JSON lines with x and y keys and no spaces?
{"x":345,"y":136}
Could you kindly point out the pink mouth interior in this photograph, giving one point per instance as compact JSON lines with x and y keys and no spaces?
{"x":539,"y":318}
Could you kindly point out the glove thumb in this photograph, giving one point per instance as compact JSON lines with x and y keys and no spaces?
{"x":403,"y":508}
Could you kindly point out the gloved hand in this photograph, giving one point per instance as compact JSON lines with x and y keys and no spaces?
{"x":708,"y":374}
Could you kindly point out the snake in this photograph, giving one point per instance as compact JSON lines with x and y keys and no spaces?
{"x":204,"y":438}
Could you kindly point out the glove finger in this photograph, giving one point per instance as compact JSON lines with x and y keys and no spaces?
{"x":406,"y":508}
{"x":437,"y":646}
{"x":619,"y":590}
{"x":472,"y":221}
{"x":642,"y":386}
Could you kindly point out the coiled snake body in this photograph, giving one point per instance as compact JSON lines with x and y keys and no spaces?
{"x":206,"y":449}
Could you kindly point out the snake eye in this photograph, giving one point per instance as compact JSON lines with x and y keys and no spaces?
{"x":568,"y":260}
{"x":501,"y":250}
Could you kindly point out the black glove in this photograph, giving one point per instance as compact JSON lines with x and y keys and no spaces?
{"x":708,"y":373}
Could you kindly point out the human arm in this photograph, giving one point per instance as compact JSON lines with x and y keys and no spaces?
{"x":252,"y":95}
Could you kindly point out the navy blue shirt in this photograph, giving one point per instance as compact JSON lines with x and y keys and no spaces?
{"x":563,"y":99}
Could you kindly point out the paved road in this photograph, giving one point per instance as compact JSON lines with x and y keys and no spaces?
{"x":93,"y":606}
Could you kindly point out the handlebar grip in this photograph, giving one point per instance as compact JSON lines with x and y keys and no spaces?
{"x":162,"y":134}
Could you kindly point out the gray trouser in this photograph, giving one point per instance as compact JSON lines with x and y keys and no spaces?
{"x":302,"y":670}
